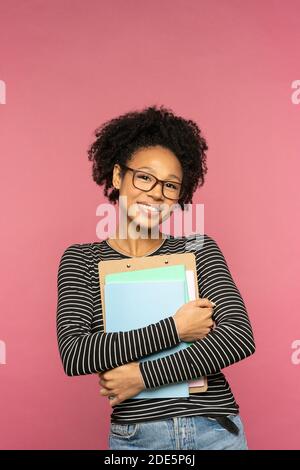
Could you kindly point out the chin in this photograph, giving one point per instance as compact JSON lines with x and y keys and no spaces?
{"x":146,"y":224}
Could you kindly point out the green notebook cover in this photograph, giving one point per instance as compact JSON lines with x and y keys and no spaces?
{"x":164,"y":273}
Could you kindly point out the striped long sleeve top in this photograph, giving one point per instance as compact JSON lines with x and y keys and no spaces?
{"x":86,"y":349}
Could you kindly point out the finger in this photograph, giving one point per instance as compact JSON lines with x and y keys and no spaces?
{"x":103,"y":382}
{"x":106,"y":375}
{"x":204,"y":302}
{"x":103,"y":375}
{"x":116,"y":401}
{"x":105,"y":392}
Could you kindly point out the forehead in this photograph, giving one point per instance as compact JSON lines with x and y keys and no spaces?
{"x":158,"y":161}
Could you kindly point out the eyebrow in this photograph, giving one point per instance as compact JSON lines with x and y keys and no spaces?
{"x":149,"y":168}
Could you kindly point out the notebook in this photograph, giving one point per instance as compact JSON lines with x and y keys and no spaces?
{"x":140,"y":268}
{"x":130,"y":305}
{"x":163,"y":273}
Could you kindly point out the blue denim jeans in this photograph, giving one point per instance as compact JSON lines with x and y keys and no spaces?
{"x":183,"y":433}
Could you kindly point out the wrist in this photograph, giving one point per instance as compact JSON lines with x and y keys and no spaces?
{"x":177,"y":326}
{"x":141,"y":381}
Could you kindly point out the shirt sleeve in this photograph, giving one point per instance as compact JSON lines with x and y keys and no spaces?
{"x":229,"y":342}
{"x":83,"y":352}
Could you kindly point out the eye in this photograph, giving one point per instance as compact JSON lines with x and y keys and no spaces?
{"x":143,"y":177}
{"x":171,"y":186}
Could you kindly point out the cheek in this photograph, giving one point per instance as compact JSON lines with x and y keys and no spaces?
{"x":127,"y":202}
{"x":127,"y":188}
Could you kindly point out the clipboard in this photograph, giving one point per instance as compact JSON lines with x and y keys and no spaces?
{"x":145,"y":262}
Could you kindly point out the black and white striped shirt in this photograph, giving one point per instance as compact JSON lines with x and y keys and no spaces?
{"x":85,"y":348}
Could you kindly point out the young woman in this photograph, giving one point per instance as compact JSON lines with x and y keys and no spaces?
{"x":155,"y":161}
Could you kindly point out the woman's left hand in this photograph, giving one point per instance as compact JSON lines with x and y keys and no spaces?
{"x":122,"y":383}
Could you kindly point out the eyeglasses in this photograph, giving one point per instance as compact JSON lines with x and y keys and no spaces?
{"x":145,"y":182}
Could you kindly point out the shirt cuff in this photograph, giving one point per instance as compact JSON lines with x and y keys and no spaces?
{"x":169,"y":332}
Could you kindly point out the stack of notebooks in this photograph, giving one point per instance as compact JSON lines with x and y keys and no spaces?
{"x":138,"y":291}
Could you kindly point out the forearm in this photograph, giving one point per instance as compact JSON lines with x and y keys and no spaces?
{"x":221,"y":348}
{"x":97,"y":352}
{"x":85,"y":352}
{"x":231,"y":340}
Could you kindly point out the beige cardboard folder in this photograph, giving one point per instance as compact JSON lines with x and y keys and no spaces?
{"x":147,"y":262}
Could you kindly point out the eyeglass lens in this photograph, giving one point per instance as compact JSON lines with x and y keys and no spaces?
{"x":145,"y":182}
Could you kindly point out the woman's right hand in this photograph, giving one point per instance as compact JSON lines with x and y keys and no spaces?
{"x":194,"y":319}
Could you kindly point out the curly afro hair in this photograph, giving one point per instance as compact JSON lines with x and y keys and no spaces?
{"x":118,"y":139}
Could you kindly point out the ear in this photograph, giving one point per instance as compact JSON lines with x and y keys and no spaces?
{"x":116,"y":179}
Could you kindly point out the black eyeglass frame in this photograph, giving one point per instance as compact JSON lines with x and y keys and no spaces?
{"x":157,"y":181}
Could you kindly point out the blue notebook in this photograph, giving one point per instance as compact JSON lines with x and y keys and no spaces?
{"x":132,"y":305}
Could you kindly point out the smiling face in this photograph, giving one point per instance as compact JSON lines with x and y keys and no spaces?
{"x":160,"y":162}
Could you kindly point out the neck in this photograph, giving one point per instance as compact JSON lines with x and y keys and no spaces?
{"x":136,"y":246}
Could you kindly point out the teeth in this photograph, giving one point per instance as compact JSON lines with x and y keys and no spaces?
{"x":149,"y":208}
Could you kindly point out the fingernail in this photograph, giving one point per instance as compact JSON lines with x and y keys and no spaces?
{"x":213,"y":304}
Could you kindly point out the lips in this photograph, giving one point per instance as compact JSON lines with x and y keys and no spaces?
{"x":152,"y":208}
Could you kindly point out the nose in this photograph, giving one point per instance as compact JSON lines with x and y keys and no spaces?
{"x":157,"y":191}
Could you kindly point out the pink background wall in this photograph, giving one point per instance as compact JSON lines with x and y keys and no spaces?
{"x":68,"y":66}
